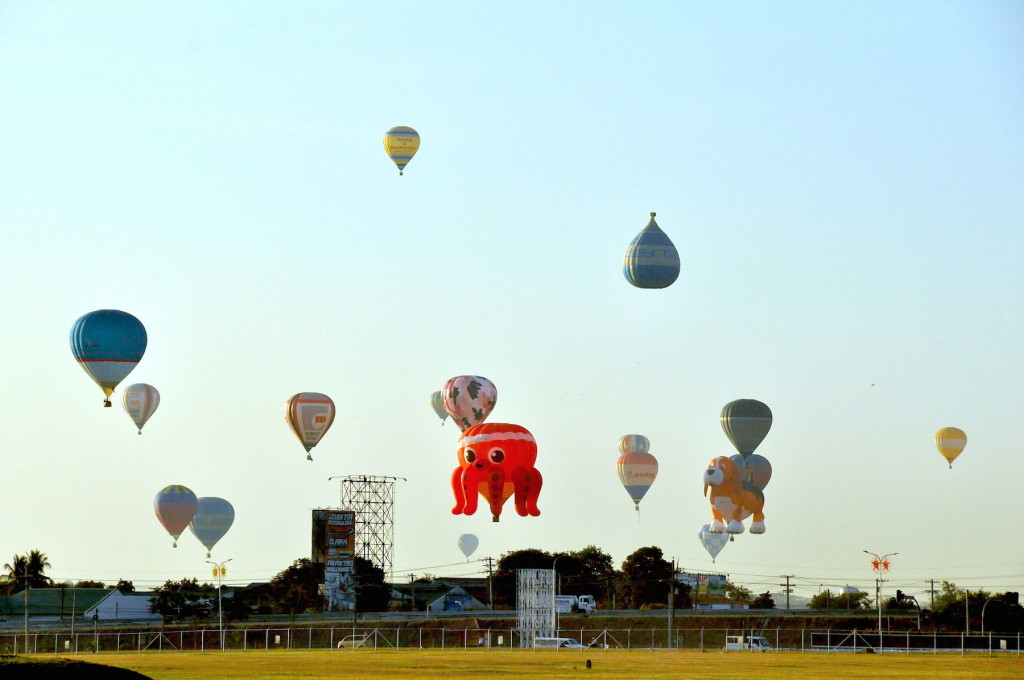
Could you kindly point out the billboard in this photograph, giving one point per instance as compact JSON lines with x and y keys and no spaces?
{"x":334,"y":547}
{"x":704,"y":584}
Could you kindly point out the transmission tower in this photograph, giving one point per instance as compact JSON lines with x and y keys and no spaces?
{"x":372,"y":499}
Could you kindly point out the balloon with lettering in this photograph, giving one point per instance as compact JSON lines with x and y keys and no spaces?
{"x":175,"y":506}
{"x":746,"y":422}
{"x":437,"y":403}
{"x":468,"y":544}
{"x":108,"y":344}
{"x":755,"y":469}
{"x":401,"y":144}
{"x":951,"y":442}
{"x":140,"y":401}
{"x":637,"y":467}
{"x":496,"y":461}
{"x":213,"y":517}
{"x":712,"y":542}
{"x":310,"y":415}
{"x":651,"y":260}
{"x":469,"y":399}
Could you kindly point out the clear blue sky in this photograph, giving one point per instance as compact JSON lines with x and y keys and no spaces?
{"x":843,"y":183}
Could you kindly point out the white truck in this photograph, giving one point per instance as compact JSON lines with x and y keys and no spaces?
{"x":573,"y":604}
{"x":752,"y":642}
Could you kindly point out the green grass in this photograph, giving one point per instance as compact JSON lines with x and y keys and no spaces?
{"x":500,"y":664}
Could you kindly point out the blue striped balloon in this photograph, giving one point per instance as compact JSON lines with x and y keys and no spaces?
{"x":651,"y":260}
{"x":108,"y":344}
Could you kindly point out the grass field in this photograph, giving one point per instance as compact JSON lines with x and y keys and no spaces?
{"x":497,"y":665}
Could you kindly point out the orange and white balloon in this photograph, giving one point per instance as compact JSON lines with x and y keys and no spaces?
{"x":140,"y":401}
{"x":637,"y":467}
{"x":310,"y":415}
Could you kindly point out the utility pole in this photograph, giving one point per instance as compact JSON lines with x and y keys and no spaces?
{"x":490,"y":581}
{"x":788,"y":590}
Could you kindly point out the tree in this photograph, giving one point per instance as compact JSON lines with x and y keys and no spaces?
{"x":124,"y":586}
{"x":645,"y":577}
{"x":827,"y":599}
{"x":372,"y":592}
{"x":27,"y":571}
{"x":89,"y":584}
{"x":184,"y":599}
{"x":593,"y":573}
{"x":738,"y":593}
{"x":504,"y":578}
{"x":298,"y":588}
{"x":763,"y":601}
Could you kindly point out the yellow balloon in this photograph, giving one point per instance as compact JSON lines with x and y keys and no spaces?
{"x":950,"y":442}
{"x":401,"y":144}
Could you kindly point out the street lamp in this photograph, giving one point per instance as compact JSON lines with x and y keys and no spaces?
{"x":219,"y":570}
{"x":880,"y":565}
{"x":554,"y":611}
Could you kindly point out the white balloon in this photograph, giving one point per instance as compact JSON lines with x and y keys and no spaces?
{"x":713,"y":543}
{"x":467,"y":544}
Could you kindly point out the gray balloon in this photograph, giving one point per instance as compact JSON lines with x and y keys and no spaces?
{"x":746,"y":422}
{"x":754,"y":468}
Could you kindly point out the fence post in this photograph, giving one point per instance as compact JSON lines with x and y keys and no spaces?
{"x":442,"y":638}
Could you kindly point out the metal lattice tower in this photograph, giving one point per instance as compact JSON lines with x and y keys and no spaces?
{"x":535,"y":599}
{"x":372,"y":499}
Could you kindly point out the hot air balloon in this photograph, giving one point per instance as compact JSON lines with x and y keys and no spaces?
{"x":496,"y":461}
{"x":175,"y":507}
{"x":108,"y":344}
{"x":651,"y":260}
{"x":754,"y":469}
{"x":310,"y":415}
{"x":746,"y":422}
{"x":212,"y":520}
{"x":140,"y":401}
{"x":712,"y":542}
{"x":469,"y":399}
{"x":637,"y":467}
{"x":437,"y":403}
{"x":468,"y":544}
{"x":951,"y":442}
{"x":401,"y":144}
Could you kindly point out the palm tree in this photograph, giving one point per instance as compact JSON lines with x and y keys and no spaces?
{"x":37,"y":563}
{"x":16,"y":571}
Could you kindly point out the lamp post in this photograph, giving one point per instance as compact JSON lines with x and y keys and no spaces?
{"x":983,"y":615}
{"x":219,"y":570}
{"x":880,"y":565}
{"x":554,"y":593}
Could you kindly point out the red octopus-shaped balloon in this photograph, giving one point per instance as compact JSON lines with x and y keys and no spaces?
{"x":496,"y":460}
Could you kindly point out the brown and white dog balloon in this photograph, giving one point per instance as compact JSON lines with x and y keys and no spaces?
{"x":732,"y":500}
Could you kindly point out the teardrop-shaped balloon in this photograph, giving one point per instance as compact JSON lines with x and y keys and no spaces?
{"x":175,"y":506}
{"x":951,"y":442}
{"x":755,"y":469}
{"x":651,"y":260}
{"x":746,"y":422}
{"x":213,"y":517}
{"x":468,"y":544}
{"x":310,"y":415}
{"x":140,"y":401}
{"x":713,"y":543}
{"x":469,"y":399}
{"x":401,"y":144}
{"x":637,"y":471}
{"x":437,"y":403}
{"x":108,"y":344}
{"x":634,"y":443}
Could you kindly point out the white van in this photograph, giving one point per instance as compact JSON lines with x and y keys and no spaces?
{"x":754,"y":642}
{"x":557,"y":643}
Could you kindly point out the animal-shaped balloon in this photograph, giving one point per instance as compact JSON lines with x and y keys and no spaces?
{"x":951,"y":442}
{"x":746,"y":423}
{"x":496,"y":461}
{"x":175,"y":506}
{"x":401,"y":144}
{"x":108,"y":344}
{"x":310,"y":415}
{"x":140,"y":401}
{"x":711,"y":541}
{"x":214,"y":516}
{"x":732,"y":500}
{"x":637,"y":467}
{"x":651,"y":260}
{"x":469,"y":399}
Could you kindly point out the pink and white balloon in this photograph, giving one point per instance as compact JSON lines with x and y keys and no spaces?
{"x":637,"y":467}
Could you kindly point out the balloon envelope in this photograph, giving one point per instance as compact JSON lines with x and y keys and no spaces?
{"x":401,"y":144}
{"x":469,"y":399}
{"x":310,"y":415}
{"x":468,"y":544}
{"x":175,"y":506}
{"x":212,"y":519}
{"x":634,"y":442}
{"x":651,"y":260}
{"x":950,"y":442}
{"x":108,"y":344}
{"x":637,"y":470}
{"x":746,"y":422}
{"x":140,"y":401}
{"x":755,"y":469}
{"x":437,"y":403}
{"x":713,"y":543}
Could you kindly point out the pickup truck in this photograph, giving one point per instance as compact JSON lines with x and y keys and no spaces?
{"x":752,"y":642}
